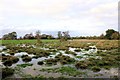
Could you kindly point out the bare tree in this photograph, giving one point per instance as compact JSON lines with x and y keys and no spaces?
{"x":63,"y":36}
{"x":59,"y":35}
{"x":66,"y":35}
{"x":38,"y":35}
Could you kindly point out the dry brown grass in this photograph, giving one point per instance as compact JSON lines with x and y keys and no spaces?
{"x":100,"y":44}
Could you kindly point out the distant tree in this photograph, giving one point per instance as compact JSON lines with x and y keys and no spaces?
{"x":50,"y":37}
{"x":59,"y":35}
{"x":63,"y":36}
{"x":5,"y":37}
{"x":10,"y":36}
{"x":66,"y":35}
{"x":109,"y":33}
{"x":115,"y":36}
{"x":44,"y":36}
{"x":20,"y":38}
{"x":13,"y":35}
{"x":29,"y":36}
{"x":38,"y":35}
{"x":102,"y":36}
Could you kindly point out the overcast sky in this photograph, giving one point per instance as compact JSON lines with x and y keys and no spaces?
{"x":80,"y":17}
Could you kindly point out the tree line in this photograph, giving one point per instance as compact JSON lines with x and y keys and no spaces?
{"x":13,"y":36}
{"x":110,"y":34}
{"x":63,"y":36}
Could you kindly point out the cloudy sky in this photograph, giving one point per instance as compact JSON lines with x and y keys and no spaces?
{"x":79,"y":17}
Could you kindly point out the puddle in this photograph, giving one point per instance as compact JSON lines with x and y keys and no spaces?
{"x":34,"y":61}
{"x":34,"y":69}
{"x":20,"y":54}
{"x":2,"y":47}
{"x":4,"y":53}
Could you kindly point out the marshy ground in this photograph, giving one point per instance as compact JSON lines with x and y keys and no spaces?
{"x":70,"y":59}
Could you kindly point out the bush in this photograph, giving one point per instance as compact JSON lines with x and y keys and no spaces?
{"x":51,"y":61}
{"x":27,"y":59}
{"x":24,"y":56}
{"x":64,"y":59}
{"x":95,"y":69}
{"x":7,"y":72}
{"x":2,"y":55}
{"x":107,"y":67}
{"x":100,"y":63}
{"x":15,"y":60}
{"x":40,"y":63}
{"x":11,"y":52}
{"x":81,"y":65}
{"x":63,"y":62}
{"x":7,"y":63}
{"x":9,"y":60}
{"x":4,"y":58}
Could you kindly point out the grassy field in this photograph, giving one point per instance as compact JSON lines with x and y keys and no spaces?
{"x":78,"y":43}
{"x":100,"y":44}
{"x":24,"y":41}
{"x":107,"y":54}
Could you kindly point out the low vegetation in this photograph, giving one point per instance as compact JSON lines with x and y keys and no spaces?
{"x":107,"y":54}
{"x":27,"y":59}
{"x":6,"y":72}
{"x":24,"y":65}
{"x":9,"y":60}
{"x":66,"y":70}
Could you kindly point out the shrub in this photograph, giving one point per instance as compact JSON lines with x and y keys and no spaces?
{"x":40,"y":63}
{"x":51,"y":61}
{"x":11,"y":52}
{"x":27,"y":59}
{"x":15,"y":60}
{"x":24,"y":56}
{"x":4,"y":58}
{"x":107,"y":67}
{"x":95,"y":69}
{"x":63,"y":62}
{"x":106,"y":63}
{"x":2,"y":55}
{"x":81,"y":65}
{"x":7,"y":63}
{"x":7,"y":72}
{"x":100,"y":63}
{"x":9,"y":60}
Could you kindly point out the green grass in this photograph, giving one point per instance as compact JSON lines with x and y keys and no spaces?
{"x":24,"y":65}
{"x":81,"y":43}
{"x":70,"y":71}
{"x":66,"y":70}
{"x":25,"y":41}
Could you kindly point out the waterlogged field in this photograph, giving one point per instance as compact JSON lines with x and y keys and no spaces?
{"x":52,"y":58}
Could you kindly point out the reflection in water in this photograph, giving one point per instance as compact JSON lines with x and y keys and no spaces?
{"x":83,"y":54}
{"x":2,"y":47}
